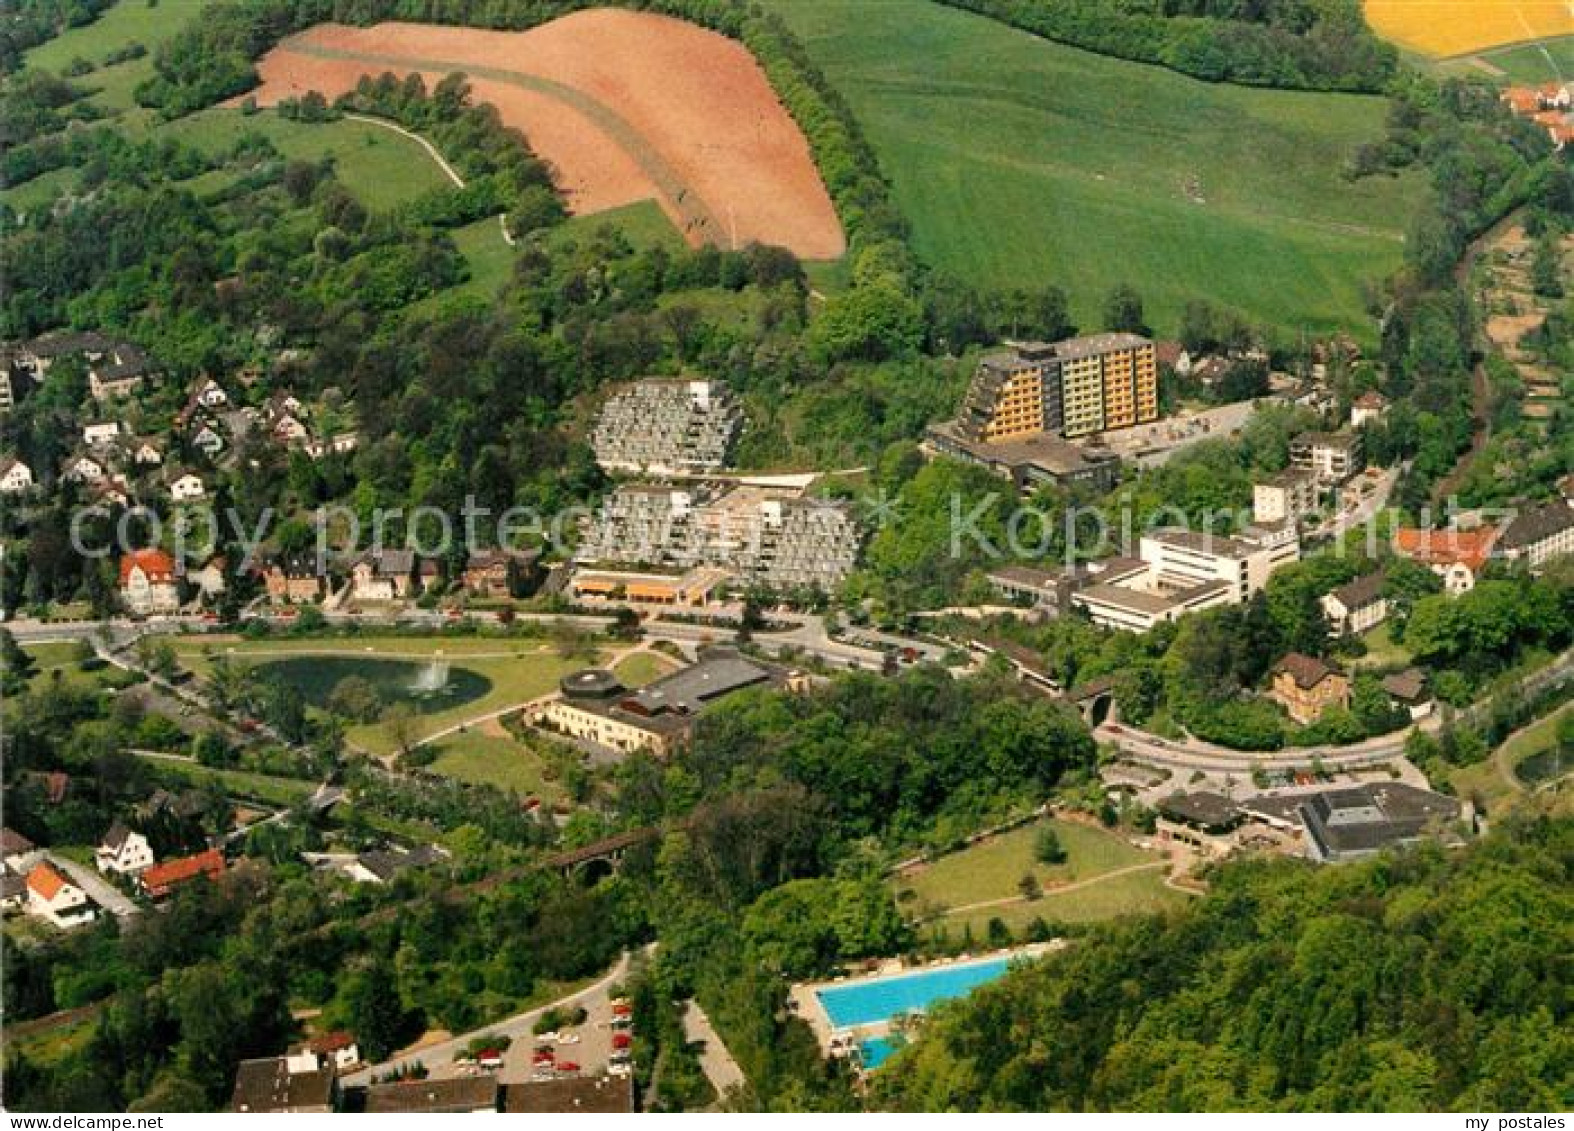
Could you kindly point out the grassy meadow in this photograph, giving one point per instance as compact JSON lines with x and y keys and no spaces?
{"x":1019,"y":162}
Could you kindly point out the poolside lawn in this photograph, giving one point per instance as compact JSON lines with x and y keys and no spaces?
{"x":988,"y":874}
{"x":993,"y":868}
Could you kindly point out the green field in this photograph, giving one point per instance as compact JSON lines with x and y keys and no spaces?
{"x":1023,"y":162}
{"x":1549,"y":61}
{"x":642,"y":668}
{"x":273,"y":790}
{"x":130,"y":21}
{"x":382,"y":168}
{"x":951,"y":890}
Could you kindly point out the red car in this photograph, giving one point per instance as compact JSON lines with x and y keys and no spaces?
{"x":621,"y":1040}
{"x":622,"y":1009}
{"x":567,"y":1066}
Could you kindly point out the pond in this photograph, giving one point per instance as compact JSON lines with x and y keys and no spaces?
{"x":427,"y":685}
{"x":1544,"y":765}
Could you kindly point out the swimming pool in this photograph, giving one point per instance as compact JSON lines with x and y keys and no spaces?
{"x":879,"y":999}
{"x":876,"y":1051}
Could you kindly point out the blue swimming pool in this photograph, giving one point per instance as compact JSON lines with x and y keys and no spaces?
{"x":878,"y":999}
{"x":876,"y":1051}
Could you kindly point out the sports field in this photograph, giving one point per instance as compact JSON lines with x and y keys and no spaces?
{"x":1460,"y":27}
{"x":1022,"y":162}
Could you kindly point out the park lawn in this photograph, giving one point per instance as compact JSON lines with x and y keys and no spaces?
{"x":642,"y":668}
{"x":490,"y":258}
{"x":1134,"y":893}
{"x":194,"y":651}
{"x":515,"y":681}
{"x":51,"y":658}
{"x":992,"y":869}
{"x":1022,"y":162}
{"x":40,"y":192}
{"x":486,"y":759}
{"x":238,"y":783}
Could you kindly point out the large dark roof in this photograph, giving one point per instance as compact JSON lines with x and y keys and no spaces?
{"x":1369,"y":818}
{"x":1203,"y":809}
{"x":269,"y":1085}
{"x":598,"y":1094}
{"x":1361,"y":592}
{"x":686,"y":692}
{"x":1534,"y":525}
{"x":1307,"y":671}
{"x":461,"y":1094}
{"x":1408,"y":686}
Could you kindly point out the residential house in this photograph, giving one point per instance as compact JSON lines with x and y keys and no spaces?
{"x":1306,"y":686}
{"x":55,"y":899}
{"x":148,"y":582}
{"x":186,"y":487}
{"x":1370,"y":407}
{"x":163,"y":879}
{"x":1172,"y":355}
{"x":294,"y":577}
{"x":119,"y":373}
{"x":384,"y":865}
{"x":337,"y":1049}
{"x":101,"y":435}
{"x":210,"y":394}
{"x":83,"y":469}
{"x":1407,"y":690}
{"x":146,"y":453}
{"x":1356,"y":607}
{"x":1334,"y":457}
{"x":459,"y":1095}
{"x":1537,"y":534}
{"x":209,"y":579}
{"x":502,"y":573}
{"x":1288,"y":496}
{"x":207,"y":438}
{"x":1457,"y":556}
{"x":123,"y":851}
{"x":109,"y":492}
{"x":15,"y":477}
{"x":16,"y":849}
{"x":276,"y":1084}
{"x":383,"y":575}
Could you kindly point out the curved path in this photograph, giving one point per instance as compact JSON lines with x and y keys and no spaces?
{"x":442,"y":162}
{"x":1195,"y":754}
{"x":697,"y":220}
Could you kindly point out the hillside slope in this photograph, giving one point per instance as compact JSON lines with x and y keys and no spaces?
{"x":1020,"y":161}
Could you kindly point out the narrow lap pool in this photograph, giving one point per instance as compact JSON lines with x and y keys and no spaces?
{"x":878,"y":999}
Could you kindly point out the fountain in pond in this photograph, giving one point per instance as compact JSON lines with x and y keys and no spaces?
{"x":432,"y":679}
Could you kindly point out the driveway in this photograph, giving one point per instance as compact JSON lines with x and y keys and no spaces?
{"x":100,"y":890}
{"x":717,"y":1062}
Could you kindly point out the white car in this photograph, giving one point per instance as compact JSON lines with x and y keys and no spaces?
{"x":568,"y":1038}
{"x":619,"y":1069}
{"x":549,"y":1035}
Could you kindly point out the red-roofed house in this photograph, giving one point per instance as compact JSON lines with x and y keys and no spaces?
{"x":51,"y":896}
{"x":338,"y":1048}
{"x":147,"y":582}
{"x":1457,"y":556}
{"x":162,"y":879}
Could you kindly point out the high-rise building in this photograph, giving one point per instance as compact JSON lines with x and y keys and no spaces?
{"x":1075,"y":388}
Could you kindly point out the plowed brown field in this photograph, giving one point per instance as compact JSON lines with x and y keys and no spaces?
{"x":625,"y":105}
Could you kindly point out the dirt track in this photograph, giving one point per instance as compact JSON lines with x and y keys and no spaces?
{"x":625,"y":105}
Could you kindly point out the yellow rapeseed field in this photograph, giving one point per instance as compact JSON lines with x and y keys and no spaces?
{"x":1457,"y":27}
